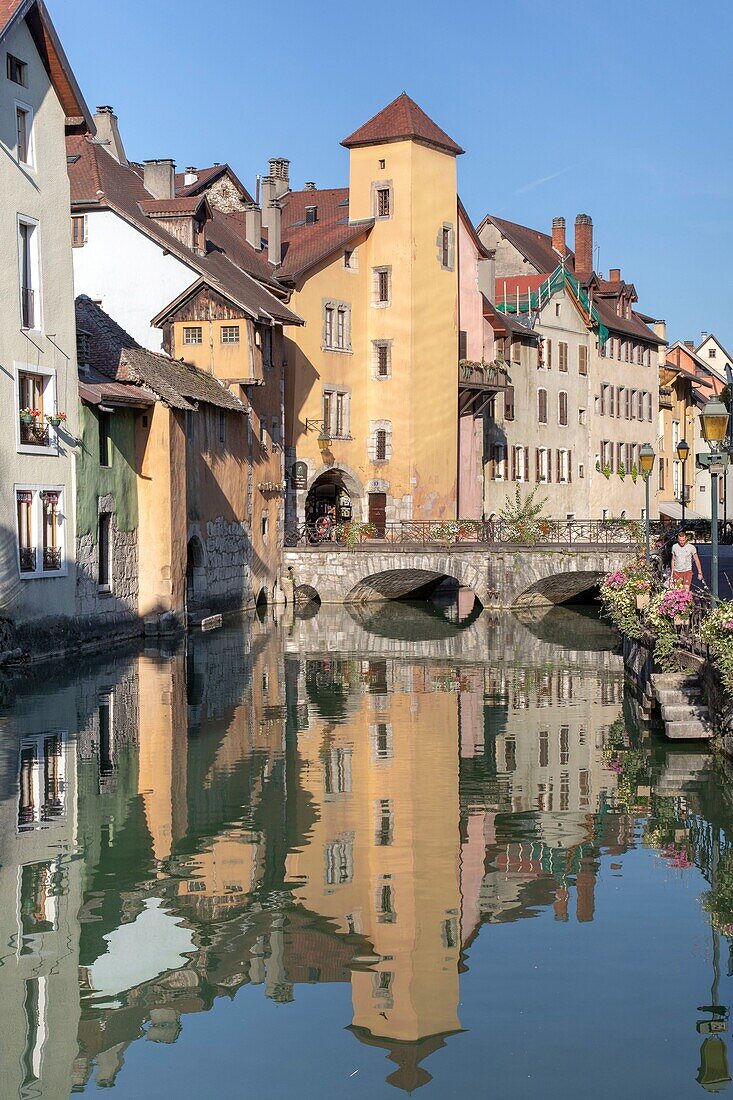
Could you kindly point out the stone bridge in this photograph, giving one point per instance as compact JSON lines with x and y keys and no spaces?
{"x":500,"y":575}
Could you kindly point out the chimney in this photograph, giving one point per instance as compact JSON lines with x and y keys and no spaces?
{"x":558,"y":236}
{"x":690,"y":344}
{"x":703,"y":336}
{"x":583,"y":247}
{"x":190,"y":177}
{"x":107,"y":131}
{"x":309,"y":186}
{"x":614,"y":275}
{"x":159,"y":178}
{"x":660,"y":328}
{"x":280,"y":173}
{"x":487,"y":276}
{"x":268,"y":196}
{"x":274,"y":233}
{"x":253,"y":225}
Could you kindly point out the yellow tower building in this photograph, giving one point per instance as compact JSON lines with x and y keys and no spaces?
{"x":373,"y":376}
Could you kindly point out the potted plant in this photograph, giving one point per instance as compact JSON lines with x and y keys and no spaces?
{"x":55,"y":419}
{"x":29,"y":416}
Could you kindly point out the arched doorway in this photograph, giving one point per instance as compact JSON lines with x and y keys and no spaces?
{"x":331,"y":495}
{"x":195,"y":572}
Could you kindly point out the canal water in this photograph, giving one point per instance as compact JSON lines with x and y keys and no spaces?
{"x":357,"y":851}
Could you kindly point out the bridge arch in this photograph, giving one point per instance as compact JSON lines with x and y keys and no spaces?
{"x":415,"y":580}
{"x":562,"y":587}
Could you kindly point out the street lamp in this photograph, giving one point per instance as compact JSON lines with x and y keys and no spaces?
{"x":683,"y":450}
{"x":646,"y":461}
{"x":714,"y":422}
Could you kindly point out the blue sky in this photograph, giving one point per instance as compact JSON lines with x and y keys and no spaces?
{"x":621,"y":111}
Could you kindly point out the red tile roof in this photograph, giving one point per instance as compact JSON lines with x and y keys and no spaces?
{"x":306,"y":245}
{"x":8,"y":9}
{"x":180,"y":205}
{"x":535,"y":246}
{"x":401,"y":120}
{"x":97,"y":179}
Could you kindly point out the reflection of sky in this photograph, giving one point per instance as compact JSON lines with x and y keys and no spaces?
{"x":150,"y":945}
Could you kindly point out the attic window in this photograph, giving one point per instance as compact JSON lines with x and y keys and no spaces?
{"x":192,"y":334}
{"x":230,"y":334}
{"x":711,"y":353}
{"x":311,"y":215}
{"x":16,"y":70}
{"x":383,"y":164}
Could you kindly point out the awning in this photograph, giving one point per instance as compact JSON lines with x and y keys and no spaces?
{"x":673,"y":510}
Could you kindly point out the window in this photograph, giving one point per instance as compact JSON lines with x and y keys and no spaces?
{"x":582,"y":417}
{"x":340,"y":860}
{"x":78,"y":230}
{"x":104,"y":546}
{"x":519,"y":464}
{"x":462,"y":345}
{"x":582,"y":359}
{"x":563,"y":466}
{"x":581,"y":470}
{"x":230,"y":334}
{"x":676,"y":478}
{"x":382,"y":164}
{"x":498,"y":458}
{"x":382,"y":286}
{"x":383,"y":202}
{"x":311,"y":215}
{"x":516,"y":351}
{"x":39,"y":520}
{"x":509,"y":403}
{"x":104,"y":420}
{"x":562,"y":355}
{"x":445,"y":247}
{"x":675,"y":434}
{"x":349,"y":259}
{"x":30,"y":302}
{"x":543,"y":465}
{"x":24,"y":133}
{"x":382,"y":741}
{"x":662,"y":462}
{"x":265,"y":526}
{"x":380,"y":442}
{"x":542,"y":406}
{"x":336,"y":326}
{"x":16,"y":69}
{"x":336,"y":412}
{"x":382,"y":359}
{"x":711,"y":353}
{"x":385,"y":904}
{"x":192,"y":334}
{"x":337,"y":777}
{"x":381,"y":445}
{"x":562,"y":408}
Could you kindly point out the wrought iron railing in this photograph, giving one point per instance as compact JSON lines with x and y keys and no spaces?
{"x":33,"y":433}
{"x":51,"y":558}
{"x":27,"y":559}
{"x":353,"y":536}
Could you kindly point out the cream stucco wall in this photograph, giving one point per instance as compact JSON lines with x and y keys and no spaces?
{"x":40,"y":194}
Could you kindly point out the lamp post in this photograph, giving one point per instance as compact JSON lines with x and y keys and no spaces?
{"x":646,"y":461}
{"x":683,"y":450}
{"x":714,"y":422}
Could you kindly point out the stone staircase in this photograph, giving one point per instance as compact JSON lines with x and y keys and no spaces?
{"x":685,"y":716}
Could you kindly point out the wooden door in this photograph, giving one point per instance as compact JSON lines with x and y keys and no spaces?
{"x":378,"y":512}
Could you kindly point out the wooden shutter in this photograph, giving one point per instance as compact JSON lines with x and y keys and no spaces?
{"x":558,"y":460}
{"x":462,"y":345}
{"x":513,"y":464}
{"x":509,"y":403}
{"x":549,"y":354}
{"x":570,"y":467}
{"x":549,"y":465}
{"x":537,"y":466}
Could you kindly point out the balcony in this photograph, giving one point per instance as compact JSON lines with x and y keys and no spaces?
{"x":28,"y":307}
{"x":27,"y":559}
{"x":477,"y":384}
{"x":51,"y":558}
{"x":33,"y":433}
{"x":665,"y":397}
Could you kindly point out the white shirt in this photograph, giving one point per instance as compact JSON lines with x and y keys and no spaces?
{"x":682,"y":557}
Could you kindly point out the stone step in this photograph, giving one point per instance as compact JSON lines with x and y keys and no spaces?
{"x":675,"y":679}
{"x":694,"y":730}
{"x":667,"y":696}
{"x":678,"y":712}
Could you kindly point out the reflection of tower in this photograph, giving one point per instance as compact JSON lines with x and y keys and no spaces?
{"x":163,"y":749}
{"x":383,"y":856}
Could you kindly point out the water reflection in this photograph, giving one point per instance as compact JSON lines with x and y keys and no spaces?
{"x":336,"y":801}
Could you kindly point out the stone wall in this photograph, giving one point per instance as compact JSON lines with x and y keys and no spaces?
{"x":121,"y":601}
{"x":228,"y":564}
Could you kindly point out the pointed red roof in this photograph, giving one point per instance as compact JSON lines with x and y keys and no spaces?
{"x":402,"y":120}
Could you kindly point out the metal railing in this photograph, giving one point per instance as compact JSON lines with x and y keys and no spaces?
{"x":688,"y":633}
{"x":27,"y":559}
{"x":51,"y":558}
{"x":354,"y":536}
{"x":33,"y":433}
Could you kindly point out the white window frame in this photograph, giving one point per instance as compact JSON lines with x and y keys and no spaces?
{"x":24,"y":219}
{"x":37,"y":525}
{"x":563,"y":473}
{"x":49,"y":403}
{"x":544,"y":465}
{"x":191,"y":328}
{"x":19,"y":105}
{"x":520,"y":463}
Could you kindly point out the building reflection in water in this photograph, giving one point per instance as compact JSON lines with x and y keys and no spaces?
{"x":334,"y":799}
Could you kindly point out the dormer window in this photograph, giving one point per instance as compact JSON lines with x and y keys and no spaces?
{"x":16,"y":70}
{"x":311,"y":215}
